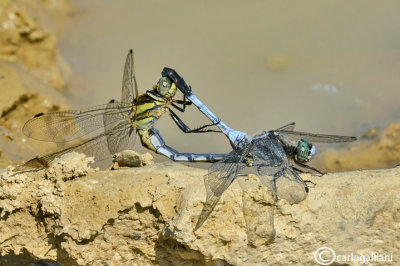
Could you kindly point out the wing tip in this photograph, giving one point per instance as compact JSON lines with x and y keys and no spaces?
{"x":38,"y":115}
{"x":196,"y":227}
{"x":200,"y":222}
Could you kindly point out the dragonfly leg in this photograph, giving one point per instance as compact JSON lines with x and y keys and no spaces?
{"x":311,"y":182}
{"x":309,"y":167}
{"x":186,"y":129}
{"x":152,"y":140}
{"x":234,"y":136}
{"x":182,"y":102}
{"x":298,"y":170}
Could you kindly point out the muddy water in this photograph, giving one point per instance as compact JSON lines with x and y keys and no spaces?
{"x":331,"y":66}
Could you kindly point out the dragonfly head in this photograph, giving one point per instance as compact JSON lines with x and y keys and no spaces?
{"x":305,"y":150}
{"x":165,"y":87}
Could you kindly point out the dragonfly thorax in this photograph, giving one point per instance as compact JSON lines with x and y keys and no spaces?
{"x":305,"y":150}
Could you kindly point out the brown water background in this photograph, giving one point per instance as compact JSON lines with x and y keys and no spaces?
{"x":330,"y":66}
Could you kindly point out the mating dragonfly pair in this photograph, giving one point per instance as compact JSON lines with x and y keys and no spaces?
{"x":108,"y":129}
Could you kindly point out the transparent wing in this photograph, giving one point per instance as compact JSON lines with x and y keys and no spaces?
{"x":220,"y":176}
{"x":70,"y":125}
{"x":129,"y":84}
{"x":288,"y":127}
{"x":96,"y":147}
{"x":208,"y":207}
{"x":118,"y":141}
{"x":270,"y":160}
{"x":271,"y":163}
{"x":119,"y":124}
{"x":269,"y":156}
{"x":287,"y":184}
{"x":294,"y":136}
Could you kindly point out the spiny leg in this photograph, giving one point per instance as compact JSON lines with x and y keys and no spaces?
{"x":298,"y":170}
{"x":186,"y":129}
{"x":182,"y":102}
{"x":309,"y":167}
{"x":305,"y":181}
{"x":311,"y":182}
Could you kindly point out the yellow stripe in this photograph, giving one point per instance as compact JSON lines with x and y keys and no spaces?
{"x":144,"y":107}
{"x":145,"y":138}
{"x":144,"y":111}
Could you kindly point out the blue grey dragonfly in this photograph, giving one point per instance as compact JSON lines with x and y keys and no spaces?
{"x":272,"y":154}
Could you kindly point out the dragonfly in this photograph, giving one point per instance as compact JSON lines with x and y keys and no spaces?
{"x":107,"y":129}
{"x":273,"y":154}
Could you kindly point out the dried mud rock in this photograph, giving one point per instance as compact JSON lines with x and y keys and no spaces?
{"x":146,"y":215}
{"x":377,"y":149}
{"x":69,"y":166}
{"x":23,"y":41}
{"x":130,"y":158}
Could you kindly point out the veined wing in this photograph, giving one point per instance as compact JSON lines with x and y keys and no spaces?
{"x":270,"y":160}
{"x":220,"y":176}
{"x":288,"y":127}
{"x":116,"y":142}
{"x":70,"y":125}
{"x":295,"y":136}
{"x":287,"y":184}
{"x":268,"y":156}
{"x":94,"y":147}
{"x":121,"y":127}
{"x":271,"y":163}
{"x":129,"y":84}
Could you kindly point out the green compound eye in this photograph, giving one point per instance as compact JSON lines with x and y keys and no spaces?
{"x":305,"y":150}
{"x":164,"y":85}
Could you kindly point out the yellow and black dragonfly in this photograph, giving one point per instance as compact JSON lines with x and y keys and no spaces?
{"x":107,"y":129}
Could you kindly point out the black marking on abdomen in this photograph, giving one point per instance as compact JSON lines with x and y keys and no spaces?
{"x":143,"y":102}
{"x":146,"y":117}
